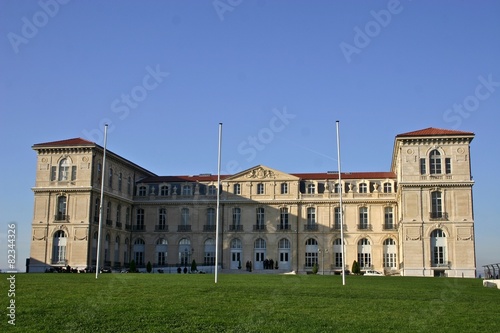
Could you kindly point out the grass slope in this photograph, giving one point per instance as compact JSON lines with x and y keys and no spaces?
{"x":248,"y":303}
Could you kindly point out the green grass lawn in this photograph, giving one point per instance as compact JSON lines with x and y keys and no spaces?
{"x":248,"y":303}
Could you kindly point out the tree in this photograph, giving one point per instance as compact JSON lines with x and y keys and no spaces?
{"x":355,"y":267}
{"x":315,"y":268}
{"x":149,"y":268}
{"x":194,"y":268}
{"x":132,"y":266}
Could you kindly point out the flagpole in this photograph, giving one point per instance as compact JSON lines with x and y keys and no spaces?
{"x":218,"y":200}
{"x":101,"y":203}
{"x":341,"y":212}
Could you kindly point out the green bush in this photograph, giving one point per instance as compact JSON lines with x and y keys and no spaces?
{"x":194,"y":268}
{"x":315,"y":268}
{"x":355,"y":267}
{"x":149,"y":268}
{"x":132,"y":267}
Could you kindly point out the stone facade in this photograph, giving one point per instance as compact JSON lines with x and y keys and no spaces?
{"x":416,"y":219}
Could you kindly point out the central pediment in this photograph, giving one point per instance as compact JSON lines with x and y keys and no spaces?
{"x":261,"y":172}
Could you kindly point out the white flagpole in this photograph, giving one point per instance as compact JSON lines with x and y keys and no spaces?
{"x":341,"y":212}
{"x":101,"y":203}
{"x":218,"y":200}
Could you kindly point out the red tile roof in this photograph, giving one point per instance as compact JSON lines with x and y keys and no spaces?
{"x":431,"y":131}
{"x":68,"y":142}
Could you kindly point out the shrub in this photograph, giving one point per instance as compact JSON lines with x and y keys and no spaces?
{"x":315,"y":268}
{"x":149,"y":268}
{"x":194,"y":268}
{"x":355,"y":267}
{"x":132,"y":266}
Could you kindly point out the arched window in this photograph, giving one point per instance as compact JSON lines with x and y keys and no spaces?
{"x":164,"y":190}
{"x":236,"y":244}
{"x":311,"y":188}
{"x":389,"y":248}
{"x":139,"y":246}
{"x":435,"y":162}
{"x":209,"y":252}
{"x":311,"y":254}
{"x":59,"y":248}
{"x":364,"y":254}
{"x":438,"y":248}
{"x":363,"y":188}
{"x":186,"y":190}
{"x":184,"y":252}
{"x":212,"y":190}
{"x":387,"y":187}
{"x":337,"y":250}
{"x":141,"y":191}
{"x":64,"y":170}
{"x":161,"y":251}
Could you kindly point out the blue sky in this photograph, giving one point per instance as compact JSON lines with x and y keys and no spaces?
{"x":277,"y":74}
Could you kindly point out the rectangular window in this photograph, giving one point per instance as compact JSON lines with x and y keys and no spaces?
{"x":363,"y":218}
{"x":260,"y":188}
{"x":337,"y":218}
{"x":338,"y":259}
{"x":390,"y":260}
{"x":73,"y":172}
{"x":237,"y":189}
{"x":438,"y":255}
{"x":423,"y":170}
{"x":447,"y":162}
{"x":388,"y":218}
{"x":364,"y":260}
{"x":311,"y":259}
{"x":53,"y":173}
{"x":284,"y":188}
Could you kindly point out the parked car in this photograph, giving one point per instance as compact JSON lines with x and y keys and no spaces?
{"x":373,"y":273}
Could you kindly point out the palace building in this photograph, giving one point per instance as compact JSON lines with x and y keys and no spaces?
{"x":414,"y":220}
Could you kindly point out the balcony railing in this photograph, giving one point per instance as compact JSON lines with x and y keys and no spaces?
{"x":109,"y":222}
{"x":96,"y":220}
{"x":138,"y":227}
{"x":441,"y":216}
{"x":310,"y":227}
{"x":336,"y":227}
{"x":209,"y":227}
{"x":119,"y":225}
{"x":444,"y":264}
{"x":60,"y":262}
{"x":389,"y":226}
{"x":364,"y":226}
{"x":127,"y":227}
{"x":61,"y":218}
{"x":283,"y":227}
{"x":161,"y":227}
{"x":235,"y":227}
{"x":259,"y":227}
{"x":183,"y":228}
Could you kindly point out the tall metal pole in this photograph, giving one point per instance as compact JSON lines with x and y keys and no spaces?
{"x":218,"y":201}
{"x":341,"y":212}
{"x":100,"y":203}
